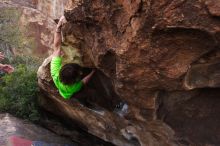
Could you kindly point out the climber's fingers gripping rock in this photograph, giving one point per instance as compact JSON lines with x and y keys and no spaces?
{"x":61,"y":22}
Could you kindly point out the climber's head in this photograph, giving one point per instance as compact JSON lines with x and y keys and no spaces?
{"x":70,"y":73}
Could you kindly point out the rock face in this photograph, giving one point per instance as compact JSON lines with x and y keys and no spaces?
{"x":11,"y":126}
{"x":159,"y":57}
{"x":102,"y":123}
{"x":36,"y":29}
{"x":53,"y":8}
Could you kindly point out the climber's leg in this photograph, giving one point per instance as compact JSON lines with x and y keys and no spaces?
{"x":80,"y":96}
{"x":86,"y":97}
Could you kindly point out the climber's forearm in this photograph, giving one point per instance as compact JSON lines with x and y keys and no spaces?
{"x":57,"y":41}
{"x":6,"y":68}
{"x":57,"y":35}
{"x":86,"y":79}
{"x":57,"y":38}
{"x":57,"y":52}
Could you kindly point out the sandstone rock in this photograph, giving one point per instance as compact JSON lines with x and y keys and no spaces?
{"x":41,"y":27}
{"x":139,"y":53}
{"x":213,"y":7}
{"x":38,"y":41}
{"x":102,"y":123}
{"x":193,"y":115}
{"x":14,"y":126}
{"x":203,"y":75}
{"x":144,"y":49}
{"x":53,"y":8}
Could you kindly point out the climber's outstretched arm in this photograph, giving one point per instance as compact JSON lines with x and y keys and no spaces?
{"x":6,"y":68}
{"x":57,"y":40}
{"x":86,"y":79}
{"x":57,"y":35}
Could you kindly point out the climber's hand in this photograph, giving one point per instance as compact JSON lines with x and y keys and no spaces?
{"x":61,"y":22}
{"x":93,"y":71}
{"x":1,"y":56}
{"x":86,"y":79}
{"x":57,"y":53}
{"x":8,"y":68}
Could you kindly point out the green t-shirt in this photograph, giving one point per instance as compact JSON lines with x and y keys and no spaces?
{"x":66,"y":91}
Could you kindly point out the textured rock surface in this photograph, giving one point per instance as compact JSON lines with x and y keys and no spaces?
{"x":13,"y":126}
{"x":203,"y":75}
{"x":194,"y":115}
{"x":42,"y":30}
{"x":213,"y":7}
{"x":36,"y":28}
{"x":104,"y":124}
{"x":149,"y":50}
{"x":51,"y":8}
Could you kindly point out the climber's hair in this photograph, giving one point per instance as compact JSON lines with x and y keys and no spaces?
{"x":70,"y":73}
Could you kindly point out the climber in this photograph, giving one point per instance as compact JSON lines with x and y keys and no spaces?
{"x":70,"y":83}
{"x":67,"y":78}
{"x":5,"y":67}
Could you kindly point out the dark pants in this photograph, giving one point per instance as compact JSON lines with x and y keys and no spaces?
{"x":93,"y":94}
{"x":86,"y":96}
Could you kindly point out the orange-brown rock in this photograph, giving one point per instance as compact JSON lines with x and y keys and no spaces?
{"x":105,"y":124}
{"x":38,"y":16}
{"x":153,"y":53}
{"x":36,"y":29}
{"x":213,"y":7}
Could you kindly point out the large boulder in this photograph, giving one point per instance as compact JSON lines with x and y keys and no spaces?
{"x":103,"y":123}
{"x":150,"y":54}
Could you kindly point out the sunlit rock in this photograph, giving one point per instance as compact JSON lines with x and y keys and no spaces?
{"x":36,"y":29}
{"x":10,"y":126}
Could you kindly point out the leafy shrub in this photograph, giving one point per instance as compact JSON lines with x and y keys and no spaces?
{"x":18,"y":93}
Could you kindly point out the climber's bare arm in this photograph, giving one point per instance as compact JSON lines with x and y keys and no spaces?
{"x":86,"y":79}
{"x":57,"y":53}
{"x":7,"y":68}
{"x":57,"y":35}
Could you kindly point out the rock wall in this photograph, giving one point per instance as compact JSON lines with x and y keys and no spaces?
{"x":12,"y":126}
{"x":36,"y":23}
{"x":52,"y":8}
{"x":161,"y":57}
{"x":36,"y":29}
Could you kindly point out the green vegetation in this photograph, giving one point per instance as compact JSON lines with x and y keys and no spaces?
{"x":18,"y":91}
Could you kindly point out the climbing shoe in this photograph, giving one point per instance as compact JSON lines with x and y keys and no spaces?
{"x":121,"y":108}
